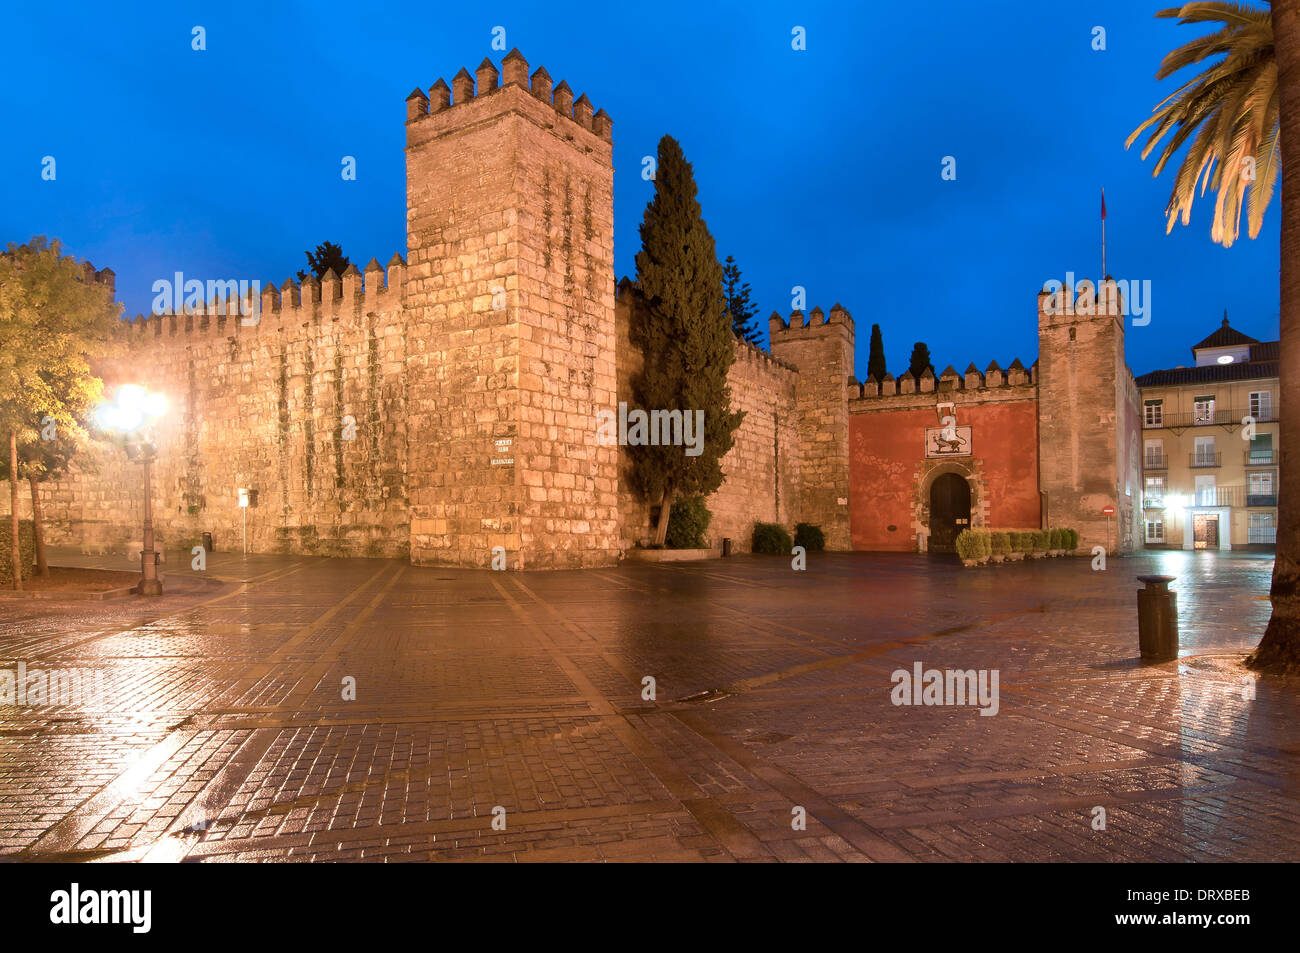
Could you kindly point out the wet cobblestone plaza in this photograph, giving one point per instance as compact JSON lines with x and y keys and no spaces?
{"x":504,"y":716}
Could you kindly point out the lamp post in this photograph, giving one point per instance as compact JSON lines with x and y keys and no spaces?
{"x":130,"y":418}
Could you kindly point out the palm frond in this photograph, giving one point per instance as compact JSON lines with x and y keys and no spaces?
{"x":1230,"y":108}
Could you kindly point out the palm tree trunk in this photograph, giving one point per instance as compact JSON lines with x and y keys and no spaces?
{"x":665,"y":510}
{"x":16,"y":553}
{"x":42,"y":567}
{"x":1280,"y":648}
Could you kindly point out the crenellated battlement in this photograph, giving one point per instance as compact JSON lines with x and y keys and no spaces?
{"x":487,"y":81}
{"x":992,"y":381}
{"x":349,"y":296}
{"x":815,"y":324}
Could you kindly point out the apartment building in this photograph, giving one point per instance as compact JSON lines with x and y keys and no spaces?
{"x":1210,"y":446}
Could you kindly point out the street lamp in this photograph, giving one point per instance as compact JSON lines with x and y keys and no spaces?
{"x":130,"y":419}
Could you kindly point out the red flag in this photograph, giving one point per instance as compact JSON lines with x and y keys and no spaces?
{"x":1103,"y":205}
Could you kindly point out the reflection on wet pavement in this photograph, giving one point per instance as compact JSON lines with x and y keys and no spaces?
{"x":292,"y":708}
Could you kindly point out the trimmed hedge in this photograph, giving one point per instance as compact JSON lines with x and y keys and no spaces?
{"x":26,"y":549}
{"x":771,"y":538}
{"x":688,"y":521}
{"x":1000,"y":543}
{"x":810,"y":537}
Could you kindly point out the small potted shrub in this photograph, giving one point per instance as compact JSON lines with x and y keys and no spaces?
{"x":1000,"y":546}
{"x":1071,"y":540}
{"x":986,"y":545}
{"x":1041,"y":540}
{"x":688,"y":521}
{"x":1014,"y":552}
{"x":771,"y":538}
{"x":968,"y":548}
{"x":1056,"y":542}
{"x":810,"y":537}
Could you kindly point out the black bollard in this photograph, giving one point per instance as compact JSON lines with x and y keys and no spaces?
{"x":1157,"y":619}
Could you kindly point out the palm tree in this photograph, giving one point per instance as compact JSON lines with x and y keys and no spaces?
{"x":1245,"y":112}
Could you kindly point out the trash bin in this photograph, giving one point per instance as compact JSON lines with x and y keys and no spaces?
{"x":726,"y":545}
{"x":207,"y":542}
{"x":1157,"y":619}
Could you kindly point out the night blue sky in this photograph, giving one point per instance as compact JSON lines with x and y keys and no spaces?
{"x":818,"y":168}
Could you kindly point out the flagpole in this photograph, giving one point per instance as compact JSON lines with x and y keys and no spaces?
{"x":1103,"y":234}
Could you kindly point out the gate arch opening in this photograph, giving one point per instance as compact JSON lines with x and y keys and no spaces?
{"x":949,"y":511}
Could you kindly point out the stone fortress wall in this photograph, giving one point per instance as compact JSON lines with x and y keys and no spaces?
{"x":447,"y":407}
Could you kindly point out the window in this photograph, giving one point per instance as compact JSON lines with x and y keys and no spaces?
{"x":1155,"y":491}
{"x":1204,"y":410}
{"x":1155,"y":531}
{"x":1261,"y":484}
{"x":1204,"y":455}
{"x":1155,"y":454}
{"x":1260,"y":528}
{"x":1261,"y":449}
{"x":1261,"y":404}
{"x":1206,"y":492}
{"x":1154,"y":411}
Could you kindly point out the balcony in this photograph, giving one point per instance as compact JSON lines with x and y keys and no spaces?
{"x":1216,"y":496}
{"x":1261,"y":499}
{"x":1155,"y":461}
{"x":1260,"y":458}
{"x":1202,"y":460}
{"x":1268,"y":536}
{"x":1153,"y":501}
{"x":1214,"y":418}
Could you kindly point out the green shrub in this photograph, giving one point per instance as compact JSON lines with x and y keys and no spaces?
{"x":968,"y":545}
{"x":26,"y":549}
{"x":986,"y":542}
{"x":1071,"y":539}
{"x":809,"y":536}
{"x":1041,"y":540}
{"x":688,"y":520}
{"x":771,"y":538}
{"x":1022,"y":542}
{"x":1055,"y":539}
{"x":1000,"y":543}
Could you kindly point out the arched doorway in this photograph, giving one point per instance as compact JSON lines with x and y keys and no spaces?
{"x":949,"y":511}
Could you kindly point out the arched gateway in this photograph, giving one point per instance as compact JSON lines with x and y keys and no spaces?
{"x":950,"y":511}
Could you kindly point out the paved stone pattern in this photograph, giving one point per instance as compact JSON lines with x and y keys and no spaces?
{"x":500,"y":716}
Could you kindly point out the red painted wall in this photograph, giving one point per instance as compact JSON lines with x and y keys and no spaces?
{"x":887,"y":448}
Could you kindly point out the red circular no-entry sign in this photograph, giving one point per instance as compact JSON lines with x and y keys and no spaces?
{"x":1108,"y":511}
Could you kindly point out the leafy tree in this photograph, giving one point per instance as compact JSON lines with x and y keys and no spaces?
{"x":684,"y":331}
{"x":1245,"y":112}
{"x":52,"y":322}
{"x":327,"y":257}
{"x":876,"y":358}
{"x":920,"y":360}
{"x":740,"y":309}
{"x":40,"y":462}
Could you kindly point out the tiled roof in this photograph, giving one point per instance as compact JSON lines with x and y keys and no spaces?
{"x":1225,"y":337}
{"x":1267,"y":351}
{"x":1247,"y":370}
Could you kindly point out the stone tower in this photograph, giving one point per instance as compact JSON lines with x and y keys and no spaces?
{"x":1088,"y":423}
{"x":510,"y":300}
{"x":821,"y":347}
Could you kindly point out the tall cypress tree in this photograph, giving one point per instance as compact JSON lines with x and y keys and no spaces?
{"x":739,"y":307}
{"x":920,"y":360}
{"x":684,"y":331}
{"x":876,"y":359}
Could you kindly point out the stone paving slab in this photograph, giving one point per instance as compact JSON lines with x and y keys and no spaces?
{"x":297,"y":709}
